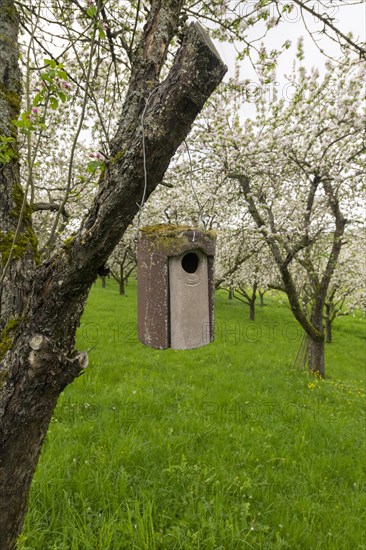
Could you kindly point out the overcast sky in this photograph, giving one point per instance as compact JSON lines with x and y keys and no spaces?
{"x":348,"y":18}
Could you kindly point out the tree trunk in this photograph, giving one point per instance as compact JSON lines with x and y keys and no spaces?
{"x":121,"y":281}
{"x":252,"y":310}
{"x":103,"y":282}
{"x":37,"y":355}
{"x":328,"y":331}
{"x":316,"y":358}
{"x":251,"y":300}
{"x":261,"y":298}
{"x":230,"y":294}
{"x":328,"y":323}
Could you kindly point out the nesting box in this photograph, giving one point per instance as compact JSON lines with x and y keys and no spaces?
{"x":175,"y":279}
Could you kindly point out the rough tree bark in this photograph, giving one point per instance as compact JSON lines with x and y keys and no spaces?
{"x":41,"y":305}
{"x":316,"y":357}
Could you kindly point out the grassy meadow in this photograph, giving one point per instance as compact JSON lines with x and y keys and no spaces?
{"x":223,"y":447}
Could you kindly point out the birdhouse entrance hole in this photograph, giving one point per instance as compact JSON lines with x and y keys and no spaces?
{"x":190,"y":262}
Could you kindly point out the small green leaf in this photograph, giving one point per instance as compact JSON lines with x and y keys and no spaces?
{"x":53,"y":103}
{"x":62,"y":96}
{"x":93,"y":165}
{"x":102,"y":34}
{"x":63,"y":75}
{"x":51,"y":62}
{"x":5,"y":139}
{"x":37,"y":100}
{"x":91,"y":11}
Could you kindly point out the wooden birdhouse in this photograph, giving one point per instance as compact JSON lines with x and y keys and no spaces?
{"x":175,"y":274}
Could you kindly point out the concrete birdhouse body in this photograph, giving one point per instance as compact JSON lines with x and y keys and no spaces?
{"x":175,"y":287}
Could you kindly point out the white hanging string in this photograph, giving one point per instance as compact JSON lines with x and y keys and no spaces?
{"x":200,"y":209}
{"x":144,"y":161}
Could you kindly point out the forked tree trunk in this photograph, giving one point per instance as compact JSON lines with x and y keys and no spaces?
{"x":261,"y":298}
{"x":313,"y":326}
{"x":37,"y":355}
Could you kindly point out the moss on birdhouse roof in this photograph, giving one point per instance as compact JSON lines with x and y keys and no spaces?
{"x":175,"y":239}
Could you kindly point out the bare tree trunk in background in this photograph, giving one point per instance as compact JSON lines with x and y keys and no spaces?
{"x":252,"y":310}
{"x":328,"y":325}
{"x":121,"y":281}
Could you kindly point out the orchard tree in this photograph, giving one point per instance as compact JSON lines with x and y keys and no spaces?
{"x":347,"y":291}
{"x":133,"y":76}
{"x":244,"y":266}
{"x":301,"y":169}
{"x":123,"y":259}
{"x":254,"y":278}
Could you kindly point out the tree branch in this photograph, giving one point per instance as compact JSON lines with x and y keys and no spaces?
{"x":51,"y":207}
{"x":328,"y":23}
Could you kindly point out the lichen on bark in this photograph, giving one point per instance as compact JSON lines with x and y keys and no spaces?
{"x":17,"y":195}
{"x":27,"y":239}
{"x":12,"y":98}
{"x":6,"y":340}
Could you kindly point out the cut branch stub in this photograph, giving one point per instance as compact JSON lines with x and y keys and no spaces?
{"x":83,"y":360}
{"x":37,"y":342}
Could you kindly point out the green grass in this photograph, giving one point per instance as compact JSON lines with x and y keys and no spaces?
{"x":222,"y":447}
